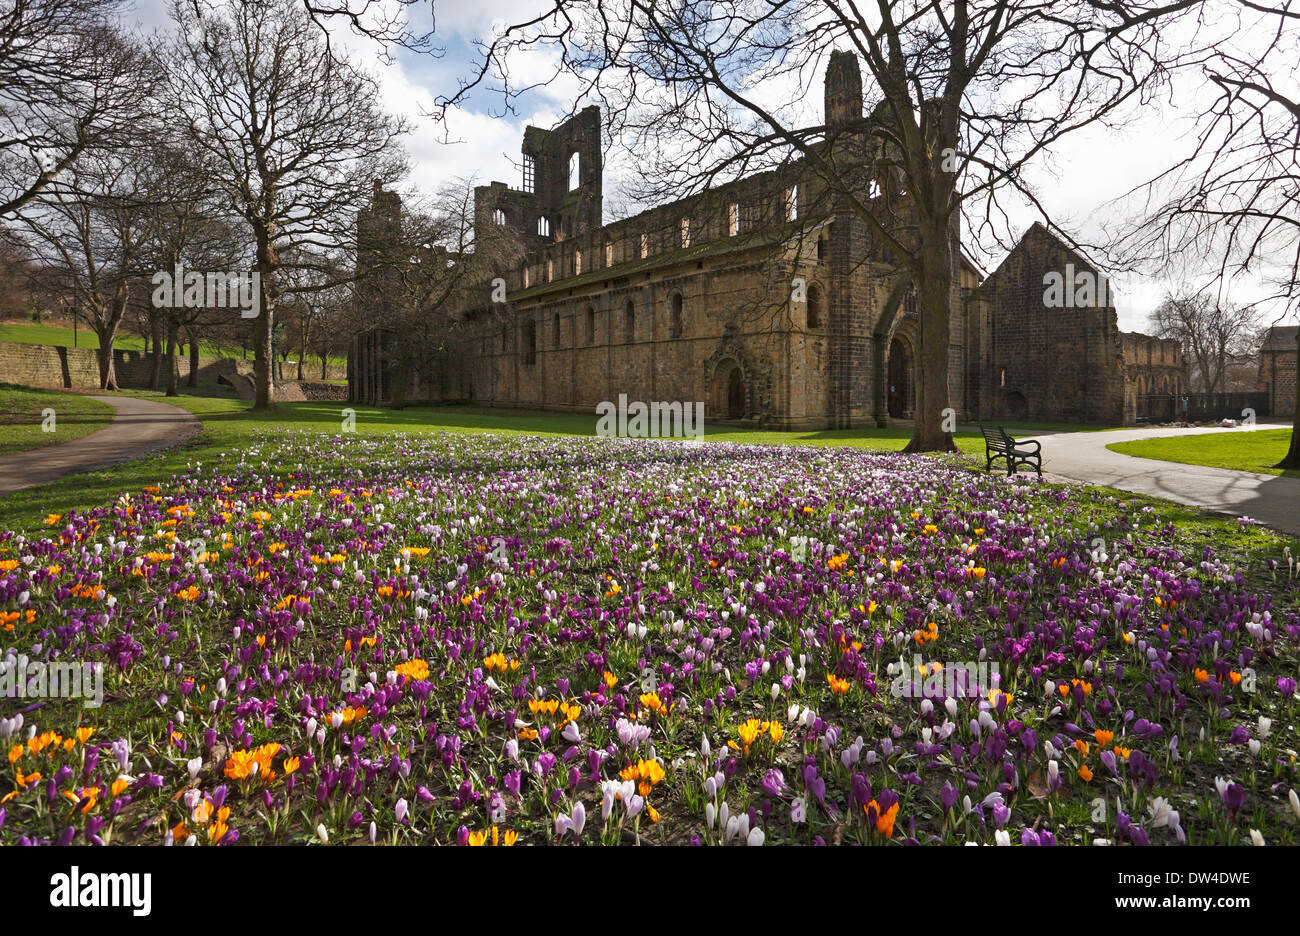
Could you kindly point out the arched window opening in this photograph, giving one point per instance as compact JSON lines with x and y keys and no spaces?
{"x":499,"y":217}
{"x":573,"y":171}
{"x":591,"y":325}
{"x":543,"y":227}
{"x":676,"y":317}
{"x":629,"y":321}
{"x":815,"y":306}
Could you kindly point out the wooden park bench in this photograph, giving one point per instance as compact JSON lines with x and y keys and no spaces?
{"x":997,"y":444}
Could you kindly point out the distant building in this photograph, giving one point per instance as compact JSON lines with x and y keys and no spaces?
{"x":1277,"y":369}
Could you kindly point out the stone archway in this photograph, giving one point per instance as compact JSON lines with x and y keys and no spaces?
{"x":727,"y":395}
{"x":901,"y":386}
{"x":897,"y":309}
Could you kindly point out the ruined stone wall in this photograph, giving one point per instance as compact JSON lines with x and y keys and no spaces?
{"x":1153,"y":365}
{"x":1047,"y":363}
{"x":1277,"y":377}
{"x":672,"y":333}
{"x":35,"y":365}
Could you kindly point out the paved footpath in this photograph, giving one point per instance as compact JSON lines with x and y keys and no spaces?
{"x":140,"y":428}
{"x":1083,"y":456}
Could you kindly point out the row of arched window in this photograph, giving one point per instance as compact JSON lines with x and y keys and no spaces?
{"x":627,"y":323}
{"x":586,"y":320}
{"x":737,"y":218}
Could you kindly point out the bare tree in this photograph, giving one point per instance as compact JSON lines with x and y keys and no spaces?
{"x":1234,"y":200}
{"x":88,"y":231}
{"x":1214,"y":335}
{"x":967,"y":95}
{"x":293,"y":131}
{"x":68,"y":84}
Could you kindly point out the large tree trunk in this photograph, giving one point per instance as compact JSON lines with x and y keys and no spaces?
{"x":104,"y":357}
{"x":105,"y":324}
{"x":324,"y":361}
{"x":173,"y":330}
{"x":933,"y":295}
{"x":1292,"y":459}
{"x":155,"y":368}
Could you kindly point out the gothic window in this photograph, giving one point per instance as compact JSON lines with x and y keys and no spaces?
{"x":550,"y":269}
{"x":686,"y":232}
{"x":499,"y":217}
{"x":573,"y":171}
{"x":675,"y":316}
{"x":609,"y":253}
{"x":733,"y":219}
{"x":591,"y":325}
{"x":555,"y":331}
{"x":543,"y":226}
{"x":528,"y":174}
{"x":645,"y":246}
{"x":792,"y":203}
{"x":577,"y":263}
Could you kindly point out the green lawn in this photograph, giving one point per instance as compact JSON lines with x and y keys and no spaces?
{"x":30,"y":333}
{"x":22,"y":418}
{"x":228,"y":425}
{"x":1256,"y":451}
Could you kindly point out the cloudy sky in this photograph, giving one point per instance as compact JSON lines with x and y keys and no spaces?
{"x":481,"y":141}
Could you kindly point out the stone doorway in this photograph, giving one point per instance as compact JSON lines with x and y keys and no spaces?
{"x":728,"y":396}
{"x":901,"y":390}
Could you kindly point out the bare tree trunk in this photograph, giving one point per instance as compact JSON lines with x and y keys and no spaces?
{"x":933,"y":294}
{"x":263,"y":329}
{"x":324,"y":361}
{"x":104,"y":357}
{"x":155,"y":371}
{"x":172,"y":330}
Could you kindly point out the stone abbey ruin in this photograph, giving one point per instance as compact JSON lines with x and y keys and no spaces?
{"x":767,"y":298}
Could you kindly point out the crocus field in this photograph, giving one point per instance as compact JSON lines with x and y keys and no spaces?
{"x":479,"y":640}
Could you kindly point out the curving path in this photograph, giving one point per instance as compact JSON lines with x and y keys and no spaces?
{"x":1083,"y":456}
{"x":140,"y":428}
